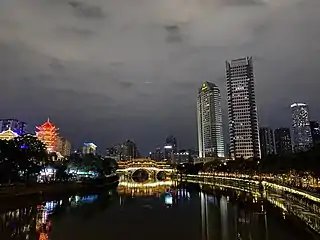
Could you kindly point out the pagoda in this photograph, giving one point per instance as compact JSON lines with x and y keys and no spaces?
{"x":8,"y":135}
{"x":48,"y":134}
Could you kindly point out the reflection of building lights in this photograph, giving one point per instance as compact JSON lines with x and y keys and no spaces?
{"x":43,"y":236}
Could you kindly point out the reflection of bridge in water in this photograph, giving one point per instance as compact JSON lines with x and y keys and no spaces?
{"x":152,"y":168}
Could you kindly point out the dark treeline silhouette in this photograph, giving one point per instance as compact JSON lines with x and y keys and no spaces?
{"x":23,"y":158}
{"x":301,"y":163}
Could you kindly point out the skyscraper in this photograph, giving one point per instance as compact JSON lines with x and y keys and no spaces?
{"x":283,"y":141}
{"x":315,"y":132}
{"x":266,"y":142}
{"x":209,"y":114}
{"x":170,"y":148}
{"x":129,"y":150}
{"x":302,"y":137}
{"x":242,"y":109}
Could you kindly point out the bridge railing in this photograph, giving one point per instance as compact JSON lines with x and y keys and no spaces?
{"x":290,"y":201}
{"x":265,"y":182}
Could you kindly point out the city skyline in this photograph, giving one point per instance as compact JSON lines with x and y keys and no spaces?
{"x":104,"y":73}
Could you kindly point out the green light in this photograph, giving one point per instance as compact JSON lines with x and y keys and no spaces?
{"x":204,"y":87}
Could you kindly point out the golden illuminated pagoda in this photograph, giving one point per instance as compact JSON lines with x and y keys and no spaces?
{"x":8,"y":135}
{"x":48,"y":134}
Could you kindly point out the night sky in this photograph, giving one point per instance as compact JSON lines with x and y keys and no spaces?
{"x":110,"y":70}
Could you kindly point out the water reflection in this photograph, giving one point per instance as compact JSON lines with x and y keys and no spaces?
{"x":192,"y":211}
{"x":33,"y":222}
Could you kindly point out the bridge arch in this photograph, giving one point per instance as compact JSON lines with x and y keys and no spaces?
{"x":157,"y":170}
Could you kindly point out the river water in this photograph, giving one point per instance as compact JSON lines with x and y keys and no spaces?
{"x":152,"y":210}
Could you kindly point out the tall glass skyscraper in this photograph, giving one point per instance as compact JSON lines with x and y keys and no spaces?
{"x":209,"y":113}
{"x":302,"y":138}
{"x":242,"y":109}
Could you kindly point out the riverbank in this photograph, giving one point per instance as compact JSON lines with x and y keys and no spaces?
{"x":44,"y":189}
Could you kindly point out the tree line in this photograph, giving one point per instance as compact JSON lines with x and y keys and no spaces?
{"x":301,"y":163}
{"x":23,"y":158}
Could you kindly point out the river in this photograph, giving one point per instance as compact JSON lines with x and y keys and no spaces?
{"x":152,"y":210}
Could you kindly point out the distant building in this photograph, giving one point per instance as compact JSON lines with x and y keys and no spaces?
{"x":283,"y":141}
{"x":8,"y":135}
{"x":315,"y":132}
{"x":89,"y":148}
{"x":209,"y":116}
{"x":302,"y":137}
{"x":242,"y":109}
{"x":123,"y":152}
{"x":129,"y":151}
{"x":48,"y":134}
{"x":170,"y":148}
{"x":64,"y":147}
{"x":14,"y":125}
{"x":158,"y":155}
{"x":184,"y":156}
{"x":267,"y":144}
{"x":114,"y":152}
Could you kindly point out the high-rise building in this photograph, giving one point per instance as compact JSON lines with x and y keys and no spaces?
{"x":48,"y":134}
{"x":302,"y":138}
{"x":242,"y":109}
{"x":283,"y":141}
{"x":129,"y":150}
{"x":170,"y":148}
{"x":315,"y":132}
{"x":209,"y":116}
{"x":89,"y":148}
{"x":266,"y":142}
{"x":14,"y":125}
{"x":64,"y":147}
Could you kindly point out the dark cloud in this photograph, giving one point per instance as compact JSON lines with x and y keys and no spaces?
{"x":174,"y":34}
{"x":86,"y":10}
{"x":112,"y":70}
{"x":126,"y":84}
{"x":74,"y":32}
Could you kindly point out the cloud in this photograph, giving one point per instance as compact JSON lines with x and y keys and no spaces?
{"x":86,"y":63}
{"x":87,"y":11}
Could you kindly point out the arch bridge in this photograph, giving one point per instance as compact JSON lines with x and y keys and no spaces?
{"x":150,"y":166}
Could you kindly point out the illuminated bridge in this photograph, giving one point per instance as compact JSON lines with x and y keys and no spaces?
{"x":146,"y":165}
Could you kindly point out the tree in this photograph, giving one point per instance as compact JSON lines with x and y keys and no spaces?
{"x":30,"y":156}
{"x":8,"y":166}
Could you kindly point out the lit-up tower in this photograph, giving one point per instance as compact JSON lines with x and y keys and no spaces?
{"x":209,"y":115}
{"x":302,"y":137}
{"x":242,"y":109}
{"x":48,"y":134}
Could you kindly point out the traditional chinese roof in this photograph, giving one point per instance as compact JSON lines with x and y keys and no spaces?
{"x":9,"y":132}
{"x":47,"y":126}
